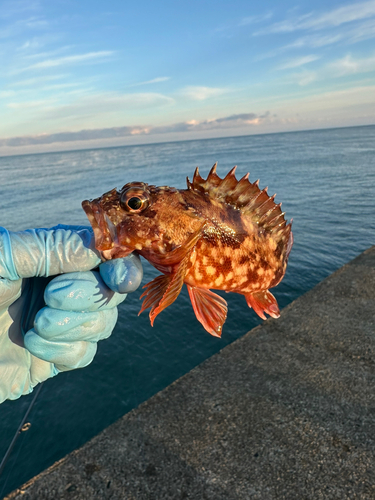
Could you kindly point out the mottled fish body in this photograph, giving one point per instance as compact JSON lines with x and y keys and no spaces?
{"x":218,"y":234}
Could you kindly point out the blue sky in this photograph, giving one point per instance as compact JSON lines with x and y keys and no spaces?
{"x":81,"y":74}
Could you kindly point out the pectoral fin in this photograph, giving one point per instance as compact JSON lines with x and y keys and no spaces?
{"x":162,"y":291}
{"x":210,"y":309}
{"x":263,"y":302}
{"x":181,"y":251}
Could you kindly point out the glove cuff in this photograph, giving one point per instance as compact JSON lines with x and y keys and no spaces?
{"x":7,"y":266}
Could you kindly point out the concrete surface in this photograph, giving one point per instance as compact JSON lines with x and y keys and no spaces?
{"x":286,"y":412}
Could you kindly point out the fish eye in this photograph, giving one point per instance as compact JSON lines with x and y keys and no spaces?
{"x":134,"y":200}
{"x":134,"y":203}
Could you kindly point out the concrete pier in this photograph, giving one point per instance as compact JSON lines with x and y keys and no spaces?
{"x":285,"y":412}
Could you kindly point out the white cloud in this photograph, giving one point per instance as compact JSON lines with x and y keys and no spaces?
{"x":308,"y":41}
{"x":106,"y":103}
{"x":336,"y":17}
{"x":29,"y":104}
{"x":363,"y":31}
{"x":227,"y":122}
{"x":67,"y":60}
{"x":30,"y":82}
{"x":245,"y":21}
{"x":345,"y":14}
{"x":347,"y":35}
{"x":339,"y":100}
{"x":36,"y":23}
{"x":298,"y":61}
{"x":349,"y":65}
{"x":13,"y":29}
{"x":307,"y":77}
{"x":12,"y":8}
{"x":286,"y":26}
{"x":201,"y":93}
{"x":30,"y":44}
{"x":49,"y":54}
{"x":159,"y":79}
{"x":59,"y":86}
{"x":67,"y":108}
{"x":229,"y":28}
{"x":314,"y":41}
{"x":4,"y":94}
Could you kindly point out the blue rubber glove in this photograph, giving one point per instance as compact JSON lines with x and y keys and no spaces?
{"x":53,"y":325}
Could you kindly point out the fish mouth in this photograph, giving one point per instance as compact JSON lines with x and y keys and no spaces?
{"x":105,"y":233}
{"x":104,"y":230}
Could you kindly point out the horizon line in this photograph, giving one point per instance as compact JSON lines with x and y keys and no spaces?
{"x":185,"y":140}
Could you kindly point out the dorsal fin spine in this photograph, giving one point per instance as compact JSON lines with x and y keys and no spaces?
{"x":241,"y":195}
{"x":231,"y":173}
{"x":213,"y":170}
{"x":274,"y":220}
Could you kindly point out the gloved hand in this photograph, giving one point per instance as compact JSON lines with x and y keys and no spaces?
{"x":52,"y":325}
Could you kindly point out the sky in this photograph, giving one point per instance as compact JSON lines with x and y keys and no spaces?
{"x":89,"y":73}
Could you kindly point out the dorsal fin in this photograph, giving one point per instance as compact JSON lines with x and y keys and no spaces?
{"x":242,"y":195}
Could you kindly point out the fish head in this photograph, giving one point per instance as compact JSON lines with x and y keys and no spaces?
{"x":139,"y":217}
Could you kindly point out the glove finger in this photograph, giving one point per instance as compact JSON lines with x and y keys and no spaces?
{"x":81,"y":291}
{"x":40,"y":371}
{"x":9,"y":292}
{"x":122,"y":275}
{"x":65,"y":355}
{"x":43,"y":252}
{"x":71,"y":326}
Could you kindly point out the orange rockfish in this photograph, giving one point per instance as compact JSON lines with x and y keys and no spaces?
{"x":218,"y":233}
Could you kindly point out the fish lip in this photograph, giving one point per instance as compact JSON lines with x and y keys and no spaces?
{"x":103,"y":234}
{"x":86,"y":205}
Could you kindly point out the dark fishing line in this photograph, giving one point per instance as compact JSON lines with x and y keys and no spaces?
{"x":20,"y":429}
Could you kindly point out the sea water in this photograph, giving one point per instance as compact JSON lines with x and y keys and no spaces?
{"x":326,"y":182}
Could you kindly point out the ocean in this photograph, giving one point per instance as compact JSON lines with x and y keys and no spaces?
{"x":325,"y":180}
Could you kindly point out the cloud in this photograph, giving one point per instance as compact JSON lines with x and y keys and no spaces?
{"x":231,"y":121}
{"x":35,"y":43}
{"x":347,"y":36}
{"x":307,"y":77}
{"x":245,"y":21}
{"x":349,"y":65}
{"x":363,"y":31}
{"x":299,"y":61}
{"x":335,"y":17}
{"x":42,"y":87}
{"x":227,"y":122}
{"x":159,"y":79}
{"x":201,"y":93}
{"x":68,"y":60}
{"x":14,"y":29}
{"x":36,"y":23}
{"x":342,"y":15}
{"x":30,"y":82}
{"x":106,"y":103}
{"x":229,"y":28}
{"x":77,"y":107}
{"x":4,"y":94}
{"x":314,"y":41}
{"x":16,"y":7}
{"x":309,"y":41}
{"x":30,"y":45}
{"x":29,"y":104}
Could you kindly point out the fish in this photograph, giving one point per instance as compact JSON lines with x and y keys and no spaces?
{"x":218,"y":234}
